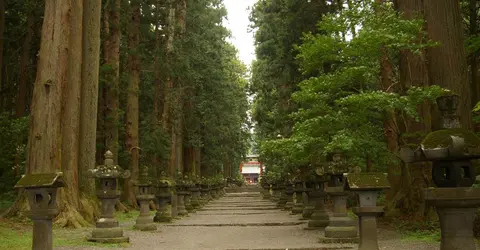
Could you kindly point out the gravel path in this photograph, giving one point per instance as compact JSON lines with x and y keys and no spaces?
{"x":241,"y":221}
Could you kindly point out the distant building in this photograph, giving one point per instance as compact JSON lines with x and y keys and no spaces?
{"x":252,"y":169}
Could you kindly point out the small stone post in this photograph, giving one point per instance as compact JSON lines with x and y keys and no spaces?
{"x":367,"y":185}
{"x":195,"y":191}
{"x":163,"y":196}
{"x":298,"y":189}
{"x":282,"y":200}
{"x":319,"y":218}
{"x":107,"y":229}
{"x":144,"y":221}
{"x":289,"y":193}
{"x":41,"y":191}
{"x":309,"y":201}
{"x":341,"y":228}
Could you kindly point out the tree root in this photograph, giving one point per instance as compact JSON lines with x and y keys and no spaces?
{"x":120,"y":207}
{"x":89,"y":208}
{"x":70,"y":217}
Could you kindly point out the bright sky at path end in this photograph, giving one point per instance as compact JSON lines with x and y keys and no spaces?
{"x":237,"y":23}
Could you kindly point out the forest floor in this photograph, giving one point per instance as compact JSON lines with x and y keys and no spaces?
{"x":234,"y":222}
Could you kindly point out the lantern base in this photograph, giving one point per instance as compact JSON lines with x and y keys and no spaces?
{"x":328,"y":240}
{"x":108,"y":235}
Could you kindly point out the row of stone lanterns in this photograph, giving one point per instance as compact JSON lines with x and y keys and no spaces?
{"x":185,"y":196}
{"x":450,"y":149}
{"x":308,"y":200}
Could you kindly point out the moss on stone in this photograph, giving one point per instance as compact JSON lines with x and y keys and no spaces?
{"x":367,"y":181}
{"x":442,"y":138}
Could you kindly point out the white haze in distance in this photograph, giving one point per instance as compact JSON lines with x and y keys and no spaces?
{"x":237,"y":23}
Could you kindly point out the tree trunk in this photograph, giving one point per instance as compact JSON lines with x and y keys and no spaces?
{"x":2,"y":31}
{"x":166,"y":117}
{"x":407,"y":193}
{"x":473,"y":57}
{"x":447,"y":65}
{"x":111,"y":52}
{"x":89,"y":100}
{"x":131,"y":138}
{"x":24,"y":62}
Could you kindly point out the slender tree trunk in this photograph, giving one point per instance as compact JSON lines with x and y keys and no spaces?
{"x":131,"y":137}
{"x":2,"y":31}
{"x":166,"y":117}
{"x":112,"y":59}
{"x":474,"y":88}
{"x":447,"y":65}
{"x":89,"y":87}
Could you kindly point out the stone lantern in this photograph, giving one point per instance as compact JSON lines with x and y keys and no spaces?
{"x":195,"y":191}
{"x":188,"y":194}
{"x":182,"y":191}
{"x":308,"y":200}
{"x":282,"y":199}
{"x":289,"y":194}
{"x":451,"y":150}
{"x":107,"y":229}
{"x":341,"y":228}
{"x":144,"y":221}
{"x":298,"y":189}
{"x":367,"y":186}
{"x":163,"y":195}
{"x":319,"y":218}
{"x":275,"y":190}
{"x":265,"y":183}
{"x":41,"y":191}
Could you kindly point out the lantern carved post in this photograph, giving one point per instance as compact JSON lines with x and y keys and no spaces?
{"x":144,"y":221}
{"x":107,"y":229}
{"x":41,"y":191}
{"x":163,"y":195}
{"x":341,"y":228}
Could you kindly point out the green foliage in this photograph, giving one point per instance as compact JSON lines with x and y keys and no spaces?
{"x":341,"y":102}
{"x":13,"y":135}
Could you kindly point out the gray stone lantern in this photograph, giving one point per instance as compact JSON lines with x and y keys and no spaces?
{"x":195,"y":191}
{"x":41,"y":191}
{"x":308,"y":200}
{"x":341,"y":228}
{"x":298,"y":189}
{"x":367,"y":186}
{"x":144,"y":221}
{"x":319,"y":218}
{"x":275,"y":192}
{"x":264,"y":182}
{"x":163,"y":195}
{"x":182,"y":191}
{"x":289,"y":194}
{"x":107,"y":229}
{"x":451,"y":150}
{"x":282,"y":198}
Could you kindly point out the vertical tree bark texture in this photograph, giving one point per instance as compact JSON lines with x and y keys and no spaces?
{"x":132,"y":101}
{"x":474,"y":89}
{"x":407,"y":194}
{"x":44,"y":143}
{"x":24,"y":62}
{"x":112,"y":59}
{"x":166,"y":117}
{"x":447,"y":65}
{"x":2,"y":31}
{"x":89,"y":87}
{"x":71,"y":105}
